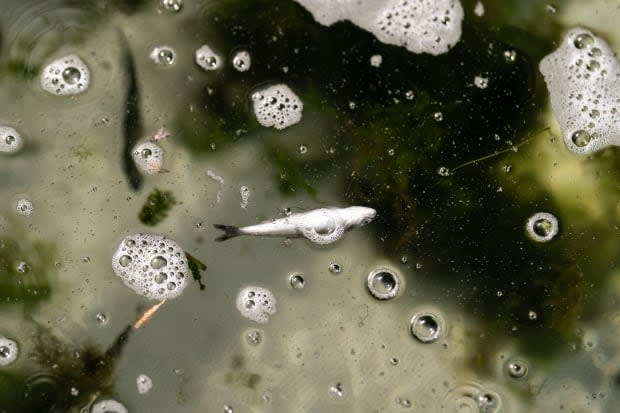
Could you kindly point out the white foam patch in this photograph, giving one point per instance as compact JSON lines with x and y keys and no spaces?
{"x":207,"y":58}
{"x":244,"y":191}
{"x":277,"y":106}
{"x":10,"y":140}
{"x":220,"y":181}
{"x":108,"y":406}
{"x":8,"y":351}
{"x":422,"y":26}
{"x":152,"y":265}
{"x":144,"y":384}
{"x":149,"y":157}
{"x":376,"y":60}
{"x":242,"y":61}
{"x":583,"y":79}
{"x":67,"y":75}
{"x":256,"y":304}
{"x":24,"y":207}
{"x":479,"y":9}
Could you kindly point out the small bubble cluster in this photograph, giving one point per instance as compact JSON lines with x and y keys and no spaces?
{"x":244,"y":192}
{"x":481,"y":82}
{"x":144,"y":383}
{"x":583,"y":79}
{"x":336,"y":391}
{"x":207,"y":59}
{"x":152,"y":265}
{"x":472,"y":398}
{"x":277,"y":106}
{"x":542,"y":226}
{"x":108,"y":406}
{"x":10,"y":140}
{"x":242,"y":61}
{"x":256,"y":304}
{"x":376,"y":60}
{"x":174,"y":6}
{"x":384,"y":283}
{"x":24,"y":207}
{"x":8,"y":351}
{"x":421,"y":26}
{"x":426,"y":326}
{"x":163,"y":55}
{"x":149,"y":157}
{"x":67,"y":75}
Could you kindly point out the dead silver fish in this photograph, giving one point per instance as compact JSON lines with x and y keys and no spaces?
{"x":321,"y":226}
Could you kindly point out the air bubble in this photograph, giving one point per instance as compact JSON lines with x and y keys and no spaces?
{"x":24,"y":207}
{"x":383,"y":283}
{"x":228,"y":409}
{"x":542,"y":226}
{"x":516,"y":369}
{"x":443,"y":171}
{"x":144,"y":383}
{"x":256,"y":304}
{"x":335,"y":268}
{"x":124,"y":261}
{"x":10,"y":140}
{"x":163,"y":55}
{"x":254,"y":337}
{"x":174,"y":6}
{"x":67,"y":75}
{"x":297,"y":281}
{"x":8,"y":351}
{"x":336,"y":391}
{"x":581,"y":138}
{"x":101,"y":318}
{"x":108,"y":406}
{"x":303,"y":149}
{"x":406,"y":403}
{"x":427,"y":327}
{"x":409,"y":95}
{"x":510,"y":55}
{"x":487,"y":403}
{"x":438,"y":116}
{"x":376,"y":60}
{"x":158,"y":262}
{"x":583,"y":40}
{"x":207,"y":58}
{"x":532,"y":315}
{"x":481,"y":82}
{"x":22,"y":267}
{"x":244,"y":192}
{"x":149,"y":157}
{"x":242,"y":61}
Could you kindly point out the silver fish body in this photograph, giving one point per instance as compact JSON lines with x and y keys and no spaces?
{"x":322,"y":226}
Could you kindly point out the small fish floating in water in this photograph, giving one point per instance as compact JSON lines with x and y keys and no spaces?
{"x":321,"y":226}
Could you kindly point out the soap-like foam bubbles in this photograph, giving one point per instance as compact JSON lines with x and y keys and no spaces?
{"x":24,"y":207}
{"x":242,"y":61}
{"x":207,"y":58}
{"x":422,"y":26}
{"x":8,"y":351}
{"x":108,"y":406}
{"x":67,"y":75}
{"x":144,"y":383}
{"x":151,"y":265}
{"x":256,"y":304}
{"x":583,"y":79}
{"x":10,"y":140}
{"x":149,"y":157}
{"x":277,"y":106}
{"x":163,"y":55}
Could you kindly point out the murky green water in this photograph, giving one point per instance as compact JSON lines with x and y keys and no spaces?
{"x":455,"y":151}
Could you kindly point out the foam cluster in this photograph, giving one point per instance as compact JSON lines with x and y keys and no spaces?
{"x":10,"y":140}
{"x":152,"y":265}
{"x":242,"y":61}
{"x":207,"y":58}
{"x":277,"y":106}
{"x":8,"y":351}
{"x":67,"y":75}
{"x":583,"y":79}
{"x":256,"y":304}
{"x":149,"y":157}
{"x":422,"y":26}
{"x":108,"y":406}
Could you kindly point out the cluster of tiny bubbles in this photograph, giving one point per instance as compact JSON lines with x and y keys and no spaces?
{"x":254,"y":337}
{"x":101,"y":318}
{"x":481,"y":82}
{"x":163,"y":55}
{"x":516,"y":369}
{"x":144,"y":384}
{"x":443,"y":171}
{"x":244,"y":192}
{"x":10,"y":140}
{"x":153,"y":266}
{"x":409,"y":95}
{"x":67,"y":75}
{"x":376,"y":60}
{"x":336,"y":391}
{"x":472,"y":398}
{"x":403,"y":402}
{"x":438,"y":116}
{"x":207,"y":59}
{"x":242,"y":61}
{"x":510,"y":55}
{"x":542,"y":226}
{"x":149,"y":157}
{"x":22,"y":267}
{"x":108,"y":406}
{"x":24,"y":207}
{"x":426,"y":326}
{"x":303,"y":149}
{"x":277,"y":106}
{"x":8,"y":351}
{"x":297,"y":281}
{"x":228,"y":409}
{"x":384,"y":283}
{"x":256,"y":303}
{"x":335,"y":268}
{"x":174,"y":6}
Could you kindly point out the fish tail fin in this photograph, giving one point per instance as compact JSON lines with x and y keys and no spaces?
{"x":229,"y":232}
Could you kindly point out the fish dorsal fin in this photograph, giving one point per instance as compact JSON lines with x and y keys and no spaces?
{"x":322,"y":239}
